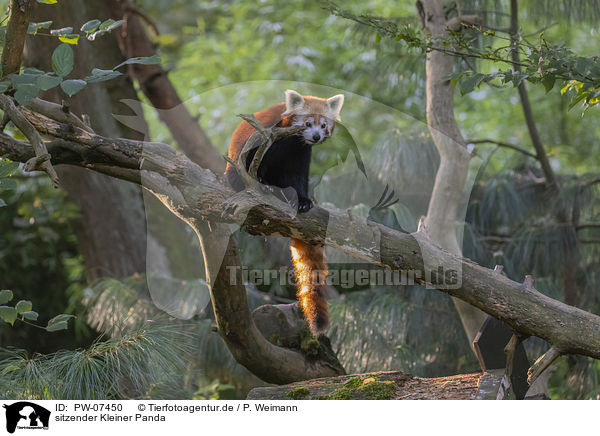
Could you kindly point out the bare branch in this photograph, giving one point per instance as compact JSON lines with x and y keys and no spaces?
{"x":502,"y":144}
{"x":57,"y":112}
{"x":540,"y":365}
{"x":42,"y":159}
{"x":588,"y":226}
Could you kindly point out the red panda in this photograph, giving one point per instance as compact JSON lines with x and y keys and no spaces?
{"x":286,"y":164}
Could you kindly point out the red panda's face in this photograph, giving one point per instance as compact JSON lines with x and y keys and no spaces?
{"x":317,"y":128}
{"x":316,"y":115}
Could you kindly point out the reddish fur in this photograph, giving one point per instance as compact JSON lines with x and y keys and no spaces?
{"x":311,"y":257}
{"x":312,"y":265}
{"x":268,"y":118}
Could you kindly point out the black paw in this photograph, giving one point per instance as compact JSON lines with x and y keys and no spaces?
{"x":304,"y":205}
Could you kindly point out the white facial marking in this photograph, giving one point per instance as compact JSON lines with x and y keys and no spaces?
{"x":317,"y":128}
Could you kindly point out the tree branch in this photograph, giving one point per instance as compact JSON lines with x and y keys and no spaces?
{"x":588,"y":226}
{"x":501,"y":144}
{"x":41,"y":161}
{"x":195,"y":194}
{"x":542,"y":364}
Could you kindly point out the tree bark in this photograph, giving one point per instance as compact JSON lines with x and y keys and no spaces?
{"x":448,"y":190}
{"x":195,"y":194}
{"x":388,"y":385}
{"x":16,"y":30}
{"x":134,"y":41}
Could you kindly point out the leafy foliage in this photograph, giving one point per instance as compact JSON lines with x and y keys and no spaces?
{"x":544,"y":63}
{"x":29,"y":84}
{"x":39,"y":261}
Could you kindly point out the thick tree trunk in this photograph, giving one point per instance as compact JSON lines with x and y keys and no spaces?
{"x":448,"y":191}
{"x":134,"y":41}
{"x":111,"y":231}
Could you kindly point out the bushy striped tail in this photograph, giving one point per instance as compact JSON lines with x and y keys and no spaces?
{"x":310,"y":266}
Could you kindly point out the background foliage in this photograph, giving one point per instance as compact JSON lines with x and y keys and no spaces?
{"x":210,"y":48}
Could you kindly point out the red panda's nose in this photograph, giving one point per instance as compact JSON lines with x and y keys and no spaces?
{"x":316,"y":137}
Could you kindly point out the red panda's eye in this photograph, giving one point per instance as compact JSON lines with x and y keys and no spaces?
{"x":307,"y":124}
{"x":323,"y":125}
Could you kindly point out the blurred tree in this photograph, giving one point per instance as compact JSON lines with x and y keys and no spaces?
{"x":111,"y":230}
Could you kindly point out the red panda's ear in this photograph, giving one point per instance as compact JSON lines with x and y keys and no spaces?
{"x":293,"y":102}
{"x":335,"y":105}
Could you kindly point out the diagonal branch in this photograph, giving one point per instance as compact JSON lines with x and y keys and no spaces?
{"x":540,"y":365}
{"x":41,"y":161}
{"x":195,"y":194}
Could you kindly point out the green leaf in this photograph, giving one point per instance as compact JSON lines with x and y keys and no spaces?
{"x":453,"y":76}
{"x":584,"y":66}
{"x":48,"y":81}
{"x":5,"y":296}
{"x":114,"y":25}
{"x":2,"y":203}
{"x":6,"y":184}
{"x":33,"y":70}
{"x":63,"y":325}
{"x":106,"y":24}
{"x":25,"y":93}
{"x":72,"y":87}
{"x":63,"y":31}
{"x":99,"y":75}
{"x":22,"y":79}
{"x":63,"y":317}
{"x":30,"y":315}
{"x":91,"y":25}
{"x":23,"y":306}
{"x":59,"y":322}
{"x":7,"y":168}
{"x":576,"y":100}
{"x":62,"y":60}
{"x":150,"y":60}
{"x":467,"y":84}
{"x":548,"y":83}
{"x":72,"y":38}
{"x":105,"y":27}
{"x":34,"y":27}
{"x":8,"y":314}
